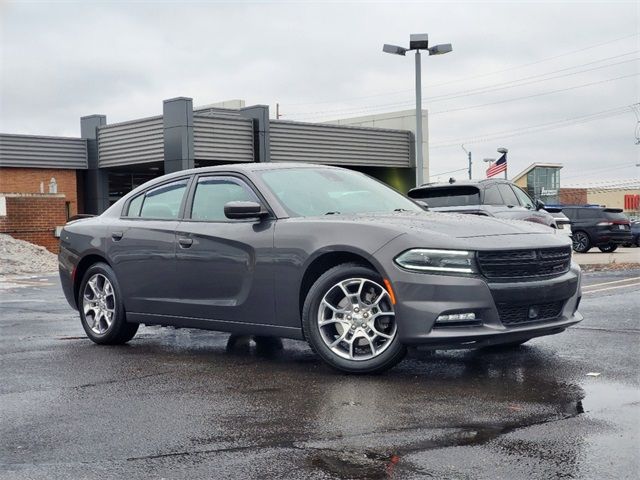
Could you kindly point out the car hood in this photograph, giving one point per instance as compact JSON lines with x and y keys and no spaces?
{"x":447,"y":224}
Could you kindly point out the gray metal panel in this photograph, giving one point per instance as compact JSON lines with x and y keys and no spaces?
{"x":217,"y":112}
{"x":35,"y":151}
{"x":128,"y":143}
{"x":223,"y":139}
{"x":339,"y":145}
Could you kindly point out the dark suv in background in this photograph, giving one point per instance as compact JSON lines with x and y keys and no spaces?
{"x":592,"y":226}
{"x":490,"y":197}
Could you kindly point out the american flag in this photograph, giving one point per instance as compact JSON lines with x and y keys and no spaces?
{"x":499,"y":166}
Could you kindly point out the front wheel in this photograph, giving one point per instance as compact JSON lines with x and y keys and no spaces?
{"x":349,"y":320}
{"x":101,"y":308}
{"x":609,"y":248}
{"x":581,"y":242}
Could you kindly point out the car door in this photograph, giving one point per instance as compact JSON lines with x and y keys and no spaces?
{"x":142,"y":247}
{"x":224,"y":266}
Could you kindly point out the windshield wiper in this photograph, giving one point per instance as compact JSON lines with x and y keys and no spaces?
{"x":400,"y":210}
{"x":332,"y":213}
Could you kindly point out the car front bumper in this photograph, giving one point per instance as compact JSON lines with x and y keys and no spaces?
{"x":421,"y":299}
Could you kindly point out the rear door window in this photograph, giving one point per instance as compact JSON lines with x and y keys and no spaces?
{"x":589,"y":213}
{"x":449,"y":197}
{"x":134,"y":206}
{"x":508,"y":197}
{"x":164,"y":202}
{"x":492,"y":196}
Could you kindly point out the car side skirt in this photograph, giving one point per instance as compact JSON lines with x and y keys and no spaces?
{"x":242,"y":328}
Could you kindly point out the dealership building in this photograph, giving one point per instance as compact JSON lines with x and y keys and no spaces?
{"x":542,"y":180}
{"x":44,"y":180}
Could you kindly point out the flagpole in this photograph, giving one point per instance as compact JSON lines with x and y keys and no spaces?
{"x":504,"y":151}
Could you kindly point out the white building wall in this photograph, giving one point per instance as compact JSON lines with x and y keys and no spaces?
{"x":400,"y":120}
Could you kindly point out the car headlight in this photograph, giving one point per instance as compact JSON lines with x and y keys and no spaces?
{"x":443,"y":261}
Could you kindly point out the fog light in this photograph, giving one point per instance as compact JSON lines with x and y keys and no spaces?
{"x":456,"y":317}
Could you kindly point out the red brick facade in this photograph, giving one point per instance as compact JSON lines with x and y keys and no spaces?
{"x":573,"y":196}
{"x":33,"y":217}
{"x":28,"y":180}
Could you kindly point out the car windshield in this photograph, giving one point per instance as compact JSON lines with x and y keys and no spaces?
{"x":306,"y":192}
{"x":449,"y":196}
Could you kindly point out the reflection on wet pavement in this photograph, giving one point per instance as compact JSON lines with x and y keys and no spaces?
{"x":185,"y":403}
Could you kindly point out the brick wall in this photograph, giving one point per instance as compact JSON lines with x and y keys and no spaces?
{"x":33,"y":217}
{"x":27,"y":180}
{"x":573,"y":196}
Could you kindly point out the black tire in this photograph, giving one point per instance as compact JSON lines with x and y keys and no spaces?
{"x":581,"y":242}
{"x":118,"y":331}
{"x":506,"y":346}
{"x":392,"y":352}
{"x":609,"y":248}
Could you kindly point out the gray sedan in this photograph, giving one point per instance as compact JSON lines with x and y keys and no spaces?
{"x":318,"y":253}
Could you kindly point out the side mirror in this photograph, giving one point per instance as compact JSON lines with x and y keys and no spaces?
{"x":539,"y":204}
{"x":423,"y":204}
{"x":240,"y":210}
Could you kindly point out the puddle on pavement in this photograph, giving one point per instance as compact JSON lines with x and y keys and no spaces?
{"x":344,"y":462}
{"x":603,"y":395}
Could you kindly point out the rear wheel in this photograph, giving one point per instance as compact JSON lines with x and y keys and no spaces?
{"x":610,"y":247}
{"x":101,"y":308}
{"x":581,"y":242}
{"x":349,"y":320}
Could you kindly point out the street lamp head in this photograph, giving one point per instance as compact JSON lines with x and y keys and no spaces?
{"x":440,"y":49}
{"x":394,"y":49}
{"x":503,"y":150}
{"x":490,"y":160}
{"x":418,"y":41}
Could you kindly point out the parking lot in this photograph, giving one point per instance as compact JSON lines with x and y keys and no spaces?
{"x":182,"y":404}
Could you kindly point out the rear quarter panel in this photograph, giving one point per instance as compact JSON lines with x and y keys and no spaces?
{"x":78,"y":240}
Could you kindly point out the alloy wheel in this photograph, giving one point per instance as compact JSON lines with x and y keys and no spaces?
{"x":356,"y":319}
{"x":580,"y":242}
{"x":99,"y":303}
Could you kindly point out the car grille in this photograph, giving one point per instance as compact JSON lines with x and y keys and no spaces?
{"x":523,"y":264}
{"x":511,"y":314}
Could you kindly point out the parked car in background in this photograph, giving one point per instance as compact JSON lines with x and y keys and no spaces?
{"x":635,"y":234}
{"x":562,"y":221}
{"x":491,"y":197}
{"x":314,"y":253}
{"x":601,"y":227}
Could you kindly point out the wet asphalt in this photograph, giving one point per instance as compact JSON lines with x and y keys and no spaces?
{"x":182,"y":404}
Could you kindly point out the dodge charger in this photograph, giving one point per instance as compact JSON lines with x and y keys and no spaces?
{"x":314,"y":253}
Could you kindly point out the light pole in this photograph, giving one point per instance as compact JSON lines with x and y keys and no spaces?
{"x":417,"y":42}
{"x":469,"y":158}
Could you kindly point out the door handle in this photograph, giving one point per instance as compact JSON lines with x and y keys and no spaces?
{"x":116,"y":236}
{"x":185,"y":242}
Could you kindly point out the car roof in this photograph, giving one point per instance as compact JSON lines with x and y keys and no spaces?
{"x":479,"y":184}
{"x":252,"y":167}
{"x":238,"y":168}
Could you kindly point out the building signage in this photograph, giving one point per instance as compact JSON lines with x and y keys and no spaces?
{"x":549,"y":192}
{"x":632,"y":202}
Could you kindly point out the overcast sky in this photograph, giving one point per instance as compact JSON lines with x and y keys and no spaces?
{"x":570,"y":69}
